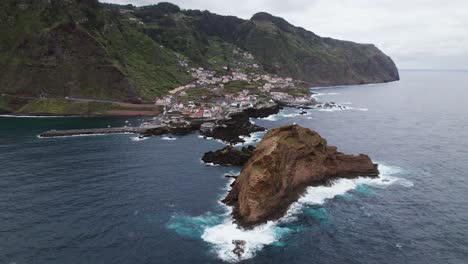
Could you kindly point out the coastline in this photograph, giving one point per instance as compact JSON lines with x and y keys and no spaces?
{"x":230,"y":128}
{"x":351,"y":85}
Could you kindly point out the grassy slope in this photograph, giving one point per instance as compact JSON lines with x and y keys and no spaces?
{"x":74,"y":48}
{"x":69,"y":107}
{"x":83,"y":52}
{"x":152,"y":69}
{"x":290,"y":51}
{"x":4,"y":106}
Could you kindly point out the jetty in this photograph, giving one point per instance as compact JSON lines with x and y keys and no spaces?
{"x":93,"y":131}
{"x":227,"y":127}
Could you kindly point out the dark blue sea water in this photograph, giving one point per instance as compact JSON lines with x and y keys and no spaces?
{"x":111,"y":199}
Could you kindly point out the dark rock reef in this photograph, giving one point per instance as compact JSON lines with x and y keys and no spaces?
{"x":229,"y":155}
{"x":262,"y":112}
{"x":230,"y":129}
{"x":285,"y":162}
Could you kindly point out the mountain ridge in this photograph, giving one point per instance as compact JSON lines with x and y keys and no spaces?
{"x":83,"y":48}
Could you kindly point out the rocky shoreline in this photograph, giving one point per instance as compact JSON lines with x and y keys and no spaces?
{"x":229,"y":128}
{"x":229,"y":155}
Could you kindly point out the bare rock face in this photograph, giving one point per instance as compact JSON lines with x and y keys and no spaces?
{"x":230,"y":129}
{"x":285,"y":162}
{"x":229,"y":155}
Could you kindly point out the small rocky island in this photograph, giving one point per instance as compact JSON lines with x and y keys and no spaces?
{"x":229,"y":155}
{"x":286,"y":161}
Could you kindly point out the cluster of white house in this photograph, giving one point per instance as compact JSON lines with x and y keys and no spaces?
{"x":284,"y":97}
{"x":228,"y":103}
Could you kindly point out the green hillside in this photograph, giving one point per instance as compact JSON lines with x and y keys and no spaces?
{"x":77,"y":48}
{"x":85,"y":49}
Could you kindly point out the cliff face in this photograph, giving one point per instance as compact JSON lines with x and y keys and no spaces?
{"x":80,"y":48}
{"x":293,"y":51}
{"x":285,"y":162}
{"x":83,"y":48}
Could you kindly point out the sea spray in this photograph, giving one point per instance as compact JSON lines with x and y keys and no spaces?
{"x":219,"y":230}
{"x":251,"y":139}
{"x":169,"y":138}
{"x":137,"y":139}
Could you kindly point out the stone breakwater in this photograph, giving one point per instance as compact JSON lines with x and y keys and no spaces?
{"x":92,"y":131}
{"x":143,"y":131}
{"x":227,"y":128}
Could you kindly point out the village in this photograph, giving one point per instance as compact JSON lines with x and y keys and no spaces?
{"x":264,"y":89}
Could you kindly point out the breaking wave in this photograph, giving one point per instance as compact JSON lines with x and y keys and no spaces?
{"x":253,"y":138}
{"x":169,"y":138}
{"x":271,"y":117}
{"x":291,"y":112}
{"x":138,"y":138}
{"x":341,"y":108}
{"x":219,"y":231}
{"x":316,"y":95}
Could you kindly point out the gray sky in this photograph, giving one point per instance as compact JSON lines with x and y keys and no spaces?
{"x":417,"y":34}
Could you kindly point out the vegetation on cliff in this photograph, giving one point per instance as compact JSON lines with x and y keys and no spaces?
{"x":86,"y":49}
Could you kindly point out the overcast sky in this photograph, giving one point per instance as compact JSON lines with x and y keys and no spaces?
{"x":417,"y":34}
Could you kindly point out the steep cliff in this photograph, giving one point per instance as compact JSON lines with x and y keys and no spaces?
{"x":83,"y":48}
{"x":287,"y":50}
{"x":285,"y":162}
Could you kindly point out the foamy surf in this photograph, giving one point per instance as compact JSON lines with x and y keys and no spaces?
{"x":209,"y":164}
{"x":253,"y":138}
{"x":316,"y":95}
{"x":271,"y":118}
{"x":339,"y":108}
{"x":169,"y":138}
{"x":222,"y":236}
{"x":220,"y":231}
{"x":281,"y":115}
{"x":137,"y":139}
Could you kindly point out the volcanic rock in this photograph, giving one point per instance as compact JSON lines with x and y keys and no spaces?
{"x":286,"y":161}
{"x":229,"y":155}
{"x":230,"y":129}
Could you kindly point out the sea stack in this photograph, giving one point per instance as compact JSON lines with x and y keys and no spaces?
{"x":229,"y":155}
{"x":286,"y":161}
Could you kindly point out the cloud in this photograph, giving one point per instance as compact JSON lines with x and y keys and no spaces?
{"x":415,"y":33}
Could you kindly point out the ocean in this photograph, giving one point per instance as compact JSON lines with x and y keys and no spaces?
{"x":118,"y":199}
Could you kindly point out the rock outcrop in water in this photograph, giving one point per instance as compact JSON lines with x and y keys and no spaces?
{"x":229,"y":155}
{"x":285,"y":162}
{"x":231,"y":128}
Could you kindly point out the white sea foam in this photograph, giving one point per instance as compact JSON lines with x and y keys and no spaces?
{"x":281,"y":115}
{"x":251,"y":139}
{"x":339,"y":108}
{"x":138,"y":138}
{"x":221,"y":236}
{"x":211,"y":138}
{"x":169,"y":138}
{"x":210,"y":164}
{"x":271,"y":118}
{"x":291,"y":115}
